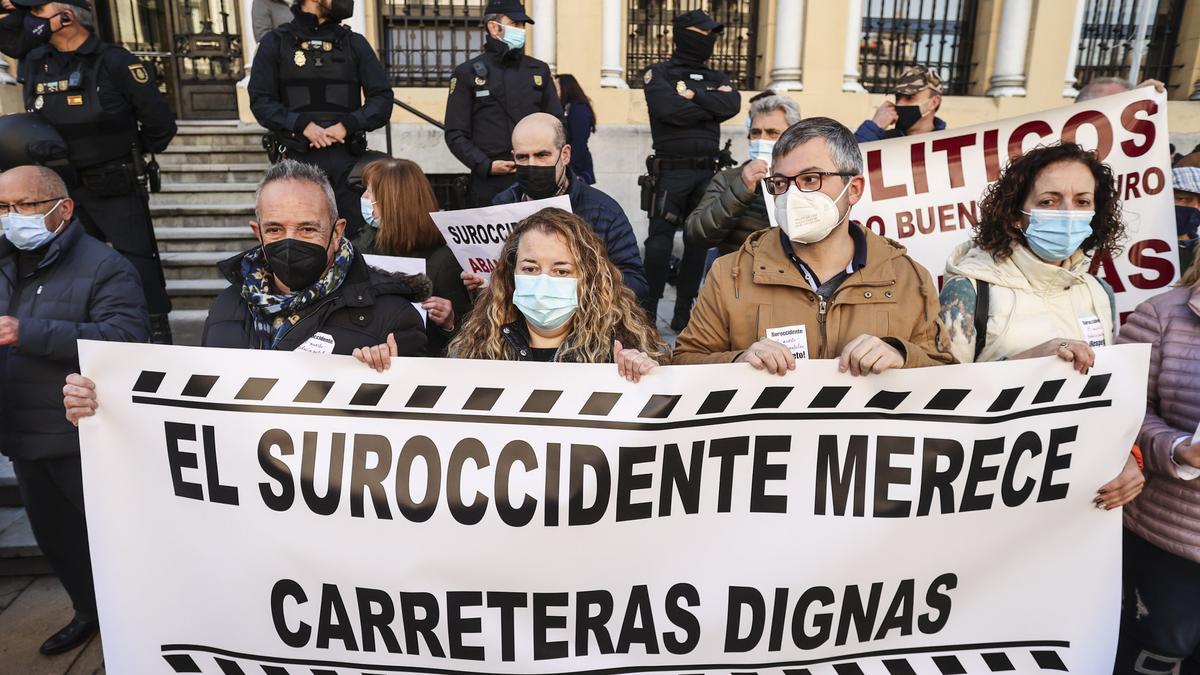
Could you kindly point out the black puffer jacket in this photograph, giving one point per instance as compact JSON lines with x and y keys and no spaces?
{"x":368,"y":305}
{"x":81,"y":289}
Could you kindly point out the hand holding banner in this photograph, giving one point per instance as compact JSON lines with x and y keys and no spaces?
{"x":252,"y":510}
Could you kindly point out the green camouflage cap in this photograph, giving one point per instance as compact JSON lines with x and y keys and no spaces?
{"x":916,"y":78}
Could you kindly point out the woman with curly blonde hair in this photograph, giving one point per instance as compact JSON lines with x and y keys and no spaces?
{"x":555,"y":296}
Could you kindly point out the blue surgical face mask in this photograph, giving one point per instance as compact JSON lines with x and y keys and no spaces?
{"x":514,"y":37}
{"x":1055,"y":234}
{"x":29,"y":232}
{"x":761,"y":149}
{"x":547,"y":302}
{"x":368,"y":212}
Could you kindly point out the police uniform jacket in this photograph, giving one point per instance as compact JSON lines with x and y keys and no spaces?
{"x":304,"y":72}
{"x":683,"y":128}
{"x":102,"y":100}
{"x":489,"y":94}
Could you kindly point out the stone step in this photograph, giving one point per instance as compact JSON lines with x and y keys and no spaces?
{"x":187,"y":326}
{"x":202,"y":215}
{"x":205,"y":193}
{"x":197,"y":239}
{"x":191,"y":155}
{"x":233,"y":138}
{"x":194,"y":293}
{"x":193,"y":264}
{"x":188,"y":174}
{"x":19,"y":552}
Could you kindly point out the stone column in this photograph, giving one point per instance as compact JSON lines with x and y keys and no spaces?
{"x":1069,"y":90}
{"x":789,"y":46}
{"x":854,"y":19}
{"x":545,"y":46}
{"x":612,"y":72}
{"x":1011,"y":47}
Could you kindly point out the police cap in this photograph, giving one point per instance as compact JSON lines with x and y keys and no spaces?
{"x":699,"y":19}
{"x":513,"y":9}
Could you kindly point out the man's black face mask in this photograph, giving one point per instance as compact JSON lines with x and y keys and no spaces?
{"x":694,"y":47}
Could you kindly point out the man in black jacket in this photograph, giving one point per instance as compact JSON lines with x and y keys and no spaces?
{"x":489,"y":94}
{"x":687,"y":102}
{"x":318,"y":87}
{"x":106,"y":105}
{"x":57,"y":285}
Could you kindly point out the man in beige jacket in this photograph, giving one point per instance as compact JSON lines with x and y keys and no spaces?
{"x":820,"y":285}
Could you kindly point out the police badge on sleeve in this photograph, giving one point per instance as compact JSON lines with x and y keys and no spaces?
{"x":138,"y":71}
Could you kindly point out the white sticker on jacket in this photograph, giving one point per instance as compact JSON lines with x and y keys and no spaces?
{"x":795,"y":338}
{"x":1093,"y":331}
{"x":320,"y":343}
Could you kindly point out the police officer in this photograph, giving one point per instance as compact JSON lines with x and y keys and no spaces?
{"x":318,"y":88}
{"x":489,"y":94}
{"x":108,"y":109}
{"x":687,"y":102}
{"x":14,"y":41}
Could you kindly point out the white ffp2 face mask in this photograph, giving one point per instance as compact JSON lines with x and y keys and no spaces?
{"x":808,"y":217}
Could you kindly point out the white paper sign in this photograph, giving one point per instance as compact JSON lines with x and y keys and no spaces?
{"x":476,"y":235}
{"x":307,"y":514}
{"x":795,"y":338}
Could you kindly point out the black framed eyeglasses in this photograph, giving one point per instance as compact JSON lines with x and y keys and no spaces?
{"x":26,"y":208}
{"x":809,"y":181}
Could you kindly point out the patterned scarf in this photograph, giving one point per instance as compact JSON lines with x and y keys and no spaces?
{"x":275,"y":313}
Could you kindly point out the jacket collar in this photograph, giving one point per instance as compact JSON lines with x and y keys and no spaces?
{"x":59,"y":245}
{"x":308,"y":22}
{"x":1044,"y":276}
{"x":773,"y":266}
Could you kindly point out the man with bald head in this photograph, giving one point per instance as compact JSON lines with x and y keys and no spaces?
{"x":57,"y":285}
{"x":543,"y":157}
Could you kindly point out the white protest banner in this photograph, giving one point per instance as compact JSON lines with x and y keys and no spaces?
{"x":924,"y":191}
{"x":476,"y":235}
{"x":265,"y":512}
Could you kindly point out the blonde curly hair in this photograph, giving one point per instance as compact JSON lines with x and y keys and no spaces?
{"x":607,"y":310}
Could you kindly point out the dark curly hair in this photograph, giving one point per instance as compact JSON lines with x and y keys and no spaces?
{"x":1004,"y":200}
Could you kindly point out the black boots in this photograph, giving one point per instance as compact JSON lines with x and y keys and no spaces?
{"x":160,"y":329}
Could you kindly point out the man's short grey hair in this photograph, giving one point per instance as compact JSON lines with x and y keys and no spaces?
{"x":842,"y":146}
{"x":1093,"y":89}
{"x":86,"y":17}
{"x":769,"y":104}
{"x":290,"y":169}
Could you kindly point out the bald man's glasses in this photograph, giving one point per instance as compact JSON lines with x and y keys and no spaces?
{"x":26,"y":208}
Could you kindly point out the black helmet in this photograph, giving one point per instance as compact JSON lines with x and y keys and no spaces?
{"x":27,"y":138}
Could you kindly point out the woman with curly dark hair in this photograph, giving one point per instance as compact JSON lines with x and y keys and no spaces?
{"x":1020,"y":289}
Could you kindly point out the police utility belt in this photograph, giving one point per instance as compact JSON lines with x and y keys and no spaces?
{"x":121,"y":178}
{"x":656,"y":165}
{"x":283,"y":144}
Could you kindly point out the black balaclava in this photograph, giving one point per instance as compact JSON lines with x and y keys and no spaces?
{"x":693,"y":47}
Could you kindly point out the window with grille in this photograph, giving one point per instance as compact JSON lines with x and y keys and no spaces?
{"x":424,"y":40}
{"x":1106,"y":41}
{"x":649,"y":24}
{"x":900,"y":33}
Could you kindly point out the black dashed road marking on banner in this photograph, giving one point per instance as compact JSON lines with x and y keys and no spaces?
{"x":847,"y":669}
{"x":256,"y":388}
{"x":772,"y":397}
{"x":313,"y":391}
{"x":182,"y":663}
{"x":717,"y":402}
{"x":887,"y":400}
{"x":483,"y":398}
{"x":1048,"y":391}
{"x":660,"y":406}
{"x":274,"y":670}
{"x":199,"y":385}
{"x":829,"y":397}
{"x":369,"y":394}
{"x":229,"y":667}
{"x":998,"y":662}
{"x":322,"y":671}
{"x":898,"y":667}
{"x":425,"y":396}
{"x":1096,"y":385}
{"x":541,"y":401}
{"x":949,"y":665}
{"x":600,"y":403}
{"x":1048,"y":660}
{"x":947,"y":399}
{"x":797,"y":671}
{"x":149,"y":381}
{"x":1006,"y":400}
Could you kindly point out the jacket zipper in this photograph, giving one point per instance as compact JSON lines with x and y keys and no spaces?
{"x":823,"y":308}
{"x":311,"y":312}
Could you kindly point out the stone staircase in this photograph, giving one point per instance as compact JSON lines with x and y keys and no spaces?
{"x":209,"y":175}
